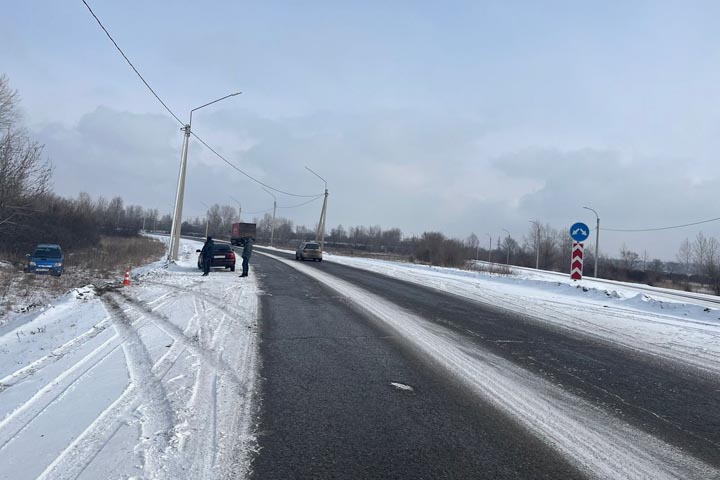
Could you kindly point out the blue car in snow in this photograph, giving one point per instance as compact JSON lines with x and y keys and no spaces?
{"x":47,"y":258}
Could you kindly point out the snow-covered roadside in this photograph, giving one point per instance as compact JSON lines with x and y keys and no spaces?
{"x":155,"y":380}
{"x":598,"y":443}
{"x":654,"y":323}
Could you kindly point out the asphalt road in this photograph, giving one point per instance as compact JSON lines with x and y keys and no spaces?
{"x":329,"y":409}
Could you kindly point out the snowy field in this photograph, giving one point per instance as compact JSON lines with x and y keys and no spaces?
{"x":155,"y":380}
{"x":655,"y":321}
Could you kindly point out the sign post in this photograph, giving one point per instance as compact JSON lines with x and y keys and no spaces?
{"x":579,"y":232}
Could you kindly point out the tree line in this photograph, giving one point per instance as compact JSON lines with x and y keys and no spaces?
{"x":31,"y":213}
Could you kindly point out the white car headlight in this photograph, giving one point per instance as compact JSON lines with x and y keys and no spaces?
{"x":32,"y":264}
{"x":58,"y":264}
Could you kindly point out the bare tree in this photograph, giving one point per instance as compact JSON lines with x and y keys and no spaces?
{"x":628,"y":258}
{"x":685,"y":257}
{"x":706,"y":255}
{"x":472,"y":241}
{"x":24,"y":175}
{"x":9,"y":101}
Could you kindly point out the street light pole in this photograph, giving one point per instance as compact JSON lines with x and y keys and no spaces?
{"x":537,"y":244}
{"x":490,"y":250}
{"x":323,"y":214}
{"x":272,"y":227}
{"x":239,"y":207}
{"x":180,"y":194}
{"x":597,"y":237}
{"x":507,"y":262}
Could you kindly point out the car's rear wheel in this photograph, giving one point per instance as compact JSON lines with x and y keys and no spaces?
{"x":232,"y":268}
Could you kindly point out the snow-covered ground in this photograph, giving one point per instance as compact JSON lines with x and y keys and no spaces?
{"x":155,"y":380}
{"x":651,"y":320}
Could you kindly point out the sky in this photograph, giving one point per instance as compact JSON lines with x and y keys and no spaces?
{"x":458,"y":116}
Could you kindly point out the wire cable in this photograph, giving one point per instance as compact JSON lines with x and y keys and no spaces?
{"x":178,"y":118}
{"x":131,"y":65}
{"x":660,"y":228}
{"x":287,"y":206}
{"x":247,"y":174}
{"x":303,"y":203}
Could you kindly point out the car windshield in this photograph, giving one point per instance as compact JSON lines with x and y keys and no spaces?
{"x":47,"y":252}
{"x":312,"y":246}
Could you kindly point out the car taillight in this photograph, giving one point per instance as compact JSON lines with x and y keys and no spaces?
{"x":232,"y":256}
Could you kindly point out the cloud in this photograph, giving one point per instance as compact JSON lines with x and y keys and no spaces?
{"x":417,"y":170}
{"x":113,"y":153}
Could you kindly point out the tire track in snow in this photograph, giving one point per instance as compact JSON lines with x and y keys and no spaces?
{"x":599,"y":444}
{"x":157,"y":420}
{"x":19,"y":419}
{"x":57,"y":354}
{"x":80,"y":454}
{"x":210,"y":356}
{"x":236,"y":441}
{"x":223,"y":387}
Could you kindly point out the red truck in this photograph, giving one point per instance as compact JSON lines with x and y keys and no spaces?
{"x":241,"y":232}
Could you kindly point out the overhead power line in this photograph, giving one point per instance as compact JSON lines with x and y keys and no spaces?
{"x":178,"y":118}
{"x":131,"y":64}
{"x":303,"y":203}
{"x":318,"y":197}
{"x":245,"y":173}
{"x":661,"y":228}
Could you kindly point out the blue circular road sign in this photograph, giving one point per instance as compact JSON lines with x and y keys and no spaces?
{"x":579,"y":232}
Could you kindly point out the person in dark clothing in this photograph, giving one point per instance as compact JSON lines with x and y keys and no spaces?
{"x":247,"y":252}
{"x":206,"y":254}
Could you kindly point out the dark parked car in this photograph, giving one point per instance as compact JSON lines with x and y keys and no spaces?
{"x":47,"y":258}
{"x":223,"y":256}
{"x":309,"y":251}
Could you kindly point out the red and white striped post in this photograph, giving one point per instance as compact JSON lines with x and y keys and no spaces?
{"x":576,"y":262}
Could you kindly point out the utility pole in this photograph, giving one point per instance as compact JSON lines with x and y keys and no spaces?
{"x":180,"y":194}
{"x":207,"y":218}
{"x":320,"y":234}
{"x":490,"y":249}
{"x":179,"y":197}
{"x":507,"y":262}
{"x":272,"y":227}
{"x":239,"y":207}
{"x":537,"y":244}
{"x":597,"y":238}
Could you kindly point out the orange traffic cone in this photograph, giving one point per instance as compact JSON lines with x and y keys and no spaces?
{"x":126,"y":281}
